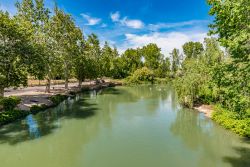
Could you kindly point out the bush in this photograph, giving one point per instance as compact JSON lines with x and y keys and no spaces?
{"x":9,"y":103}
{"x":9,"y":116}
{"x":232,"y":121}
{"x":58,"y":99}
{"x":143,"y":75}
{"x":162,"y":80}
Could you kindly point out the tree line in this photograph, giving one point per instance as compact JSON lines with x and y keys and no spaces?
{"x":37,"y":43}
{"x":43,"y":45}
{"x":210,"y":76}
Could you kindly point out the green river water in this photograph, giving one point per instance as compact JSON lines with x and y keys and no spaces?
{"x":121,"y":127}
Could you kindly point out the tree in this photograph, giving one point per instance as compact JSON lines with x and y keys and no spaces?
{"x":152,"y":55}
{"x":192,"y":49}
{"x":94,"y":55}
{"x":17,"y":53}
{"x":106,"y":60}
{"x":132,"y":60}
{"x":80,"y":68}
{"x":175,"y":60}
{"x":164,"y":68}
{"x":67,"y":37}
{"x":212,"y":53}
{"x":231,"y":23}
{"x":37,"y":16}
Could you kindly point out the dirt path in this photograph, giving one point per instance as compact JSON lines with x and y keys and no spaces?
{"x":36,"y":90}
{"x":36,"y":95}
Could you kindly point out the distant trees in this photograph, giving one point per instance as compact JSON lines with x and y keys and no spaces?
{"x":152,"y":55}
{"x":175,"y":60}
{"x":194,"y":85}
{"x":37,"y":43}
{"x":192,"y":49}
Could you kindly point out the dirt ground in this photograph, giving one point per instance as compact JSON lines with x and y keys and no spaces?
{"x":206,"y":109}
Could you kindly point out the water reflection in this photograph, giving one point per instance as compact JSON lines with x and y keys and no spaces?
{"x":201,"y":135}
{"x":45,"y":123}
{"x":126,"y":126}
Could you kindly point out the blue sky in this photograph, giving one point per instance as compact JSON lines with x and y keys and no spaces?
{"x":134,"y":23}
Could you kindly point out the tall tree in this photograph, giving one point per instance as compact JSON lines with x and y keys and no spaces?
{"x":192,"y":49}
{"x":175,"y":60}
{"x":132,"y":60}
{"x":152,"y":55}
{"x":212,"y":53}
{"x":164,"y":68}
{"x":67,"y":37}
{"x":81,"y":63}
{"x":231,"y":23}
{"x":94,"y":55}
{"x":36,"y":15}
{"x":17,"y":53}
{"x":106,"y":60}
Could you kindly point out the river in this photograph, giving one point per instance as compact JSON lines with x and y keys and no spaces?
{"x":140,"y":126}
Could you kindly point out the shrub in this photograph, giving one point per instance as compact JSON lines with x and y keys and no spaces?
{"x":162,"y":80}
{"x":9,"y":103}
{"x":232,"y":121}
{"x":142,"y":75}
{"x":9,"y":116}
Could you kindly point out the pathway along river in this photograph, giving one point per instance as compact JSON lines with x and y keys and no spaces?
{"x":121,"y":127}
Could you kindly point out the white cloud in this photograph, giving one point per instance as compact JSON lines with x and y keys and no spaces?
{"x":155,"y":27}
{"x":167,"y":41}
{"x":136,"y":24}
{"x":115,"y":17}
{"x":91,"y":20}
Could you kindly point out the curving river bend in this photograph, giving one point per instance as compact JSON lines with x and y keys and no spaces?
{"x":121,"y":127}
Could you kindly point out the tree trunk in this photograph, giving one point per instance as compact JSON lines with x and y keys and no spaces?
{"x":80,"y":83}
{"x":48,"y":85}
{"x":66,"y":77}
{"x":1,"y":92}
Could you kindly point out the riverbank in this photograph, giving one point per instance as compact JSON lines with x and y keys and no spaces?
{"x":34,"y":99}
{"x":206,"y":109}
{"x":228,"y":120}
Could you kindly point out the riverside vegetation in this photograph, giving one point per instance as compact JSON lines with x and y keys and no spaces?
{"x":36,"y":43}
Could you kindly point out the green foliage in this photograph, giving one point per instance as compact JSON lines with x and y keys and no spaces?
{"x":192,"y":49}
{"x":12,"y":115}
{"x":232,"y":77}
{"x":152,"y":55}
{"x":58,"y":98}
{"x":131,"y":61}
{"x":175,"y":60}
{"x":231,"y":23}
{"x":232,"y":121}
{"x":163,"y":69}
{"x":18,"y":55}
{"x":162,"y":80}
{"x":143,"y":75}
{"x":195,"y":84}
{"x":9,"y":103}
